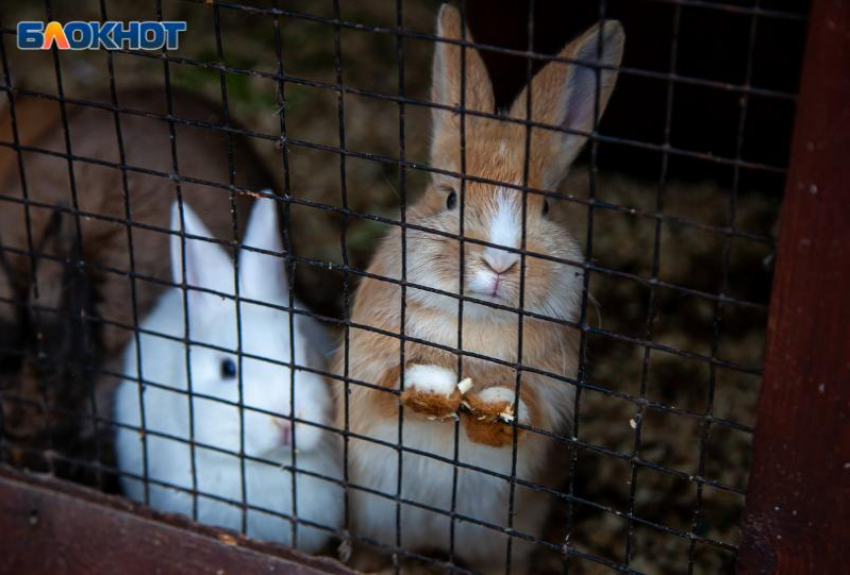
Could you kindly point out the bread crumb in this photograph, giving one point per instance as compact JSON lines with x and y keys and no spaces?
{"x":507,"y":414}
{"x":344,"y":550}
{"x":227,"y":539}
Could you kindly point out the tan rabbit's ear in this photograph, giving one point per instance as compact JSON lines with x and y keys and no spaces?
{"x":445,"y":90}
{"x":565,"y":95}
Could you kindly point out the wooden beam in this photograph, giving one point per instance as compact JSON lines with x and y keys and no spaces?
{"x":50,"y":526}
{"x":797,"y":518}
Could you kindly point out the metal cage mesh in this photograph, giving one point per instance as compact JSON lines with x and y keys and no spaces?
{"x":647,"y":388}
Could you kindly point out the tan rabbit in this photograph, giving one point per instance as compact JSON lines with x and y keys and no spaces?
{"x":564,"y":96}
{"x":48,"y":380}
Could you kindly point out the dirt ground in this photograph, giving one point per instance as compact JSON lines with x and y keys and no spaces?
{"x":623,"y":240}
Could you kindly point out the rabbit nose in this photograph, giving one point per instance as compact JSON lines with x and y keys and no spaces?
{"x":499,"y":261}
{"x":285,"y":430}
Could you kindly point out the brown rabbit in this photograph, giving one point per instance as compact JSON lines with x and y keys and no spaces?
{"x":58,"y":353}
{"x":563,"y":96}
{"x":49,"y":381}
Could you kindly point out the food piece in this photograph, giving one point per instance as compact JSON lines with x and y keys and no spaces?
{"x":464,"y":385}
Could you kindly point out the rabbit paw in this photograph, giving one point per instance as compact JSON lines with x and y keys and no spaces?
{"x":431,"y":390}
{"x":488,"y":416}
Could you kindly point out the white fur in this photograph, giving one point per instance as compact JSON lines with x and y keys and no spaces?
{"x":430,"y":379}
{"x":445,"y":332}
{"x":428,"y":481}
{"x":265,"y":385}
{"x":497,"y":395}
{"x":505,"y":230}
{"x":505,"y":227}
{"x":482,"y":282}
{"x":500,"y":394}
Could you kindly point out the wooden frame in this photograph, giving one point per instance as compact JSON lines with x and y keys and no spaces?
{"x":51,"y":526}
{"x":797,"y":518}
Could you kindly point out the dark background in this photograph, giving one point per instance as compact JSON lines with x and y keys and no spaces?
{"x":713,"y":44}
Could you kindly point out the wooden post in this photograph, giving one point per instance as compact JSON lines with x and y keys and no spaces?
{"x":797,"y":518}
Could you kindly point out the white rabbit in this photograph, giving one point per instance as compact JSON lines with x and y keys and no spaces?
{"x":268,"y":435}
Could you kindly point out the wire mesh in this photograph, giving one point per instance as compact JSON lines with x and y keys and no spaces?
{"x":333,"y":97}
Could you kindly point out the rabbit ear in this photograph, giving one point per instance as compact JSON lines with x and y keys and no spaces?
{"x":565,"y":95}
{"x":207,"y":264}
{"x":57,"y":244}
{"x":446,"y":77}
{"x":60,"y":286}
{"x":263,"y":276}
{"x":63,"y":303}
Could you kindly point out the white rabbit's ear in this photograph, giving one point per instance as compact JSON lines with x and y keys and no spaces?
{"x":207,"y":264}
{"x":262,"y":276}
{"x":446,"y":76}
{"x":565,"y":95}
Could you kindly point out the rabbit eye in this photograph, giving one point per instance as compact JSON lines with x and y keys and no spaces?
{"x":451,"y":200}
{"x":228,"y":368}
{"x":545,"y":207}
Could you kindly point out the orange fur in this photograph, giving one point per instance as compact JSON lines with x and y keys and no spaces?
{"x":431,"y":404}
{"x":486,"y":422}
